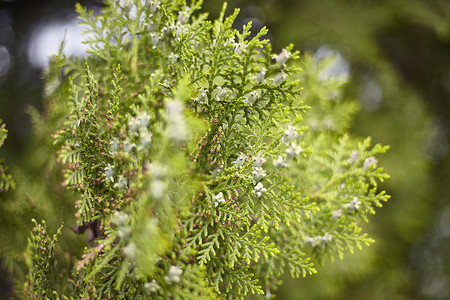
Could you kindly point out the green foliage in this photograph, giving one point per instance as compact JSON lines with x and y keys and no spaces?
{"x":186,"y":143}
{"x":343,"y":172}
{"x":41,"y":263}
{"x":6,"y":181}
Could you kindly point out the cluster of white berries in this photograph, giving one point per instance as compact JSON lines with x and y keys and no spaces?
{"x":353,"y":157}
{"x":251,"y":99}
{"x":320,"y":240}
{"x":155,"y":38}
{"x":279,"y":78}
{"x":280,"y":163}
{"x":259,"y":78}
{"x":182,"y":17}
{"x":120,"y":219}
{"x":129,"y":8}
{"x":202,"y":97}
{"x":289,"y":134}
{"x":114,"y":144}
{"x":282,"y":57}
{"x":146,"y":139}
{"x":151,"y":287}
{"x":173,"y":276}
{"x":109,"y":173}
{"x":216,"y":172}
{"x":240,"y":160}
{"x":177,"y":29}
{"x":218,"y":199}
{"x":258,"y":160}
{"x":223,"y":93}
{"x":122,"y":182}
{"x":128,"y":145}
{"x":158,"y":185}
{"x":240,"y":48}
{"x":336,"y":214}
{"x":258,"y":173}
{"x":354,"y":204}
{"x":177,"y":129}
{"x":137,"y":127}
{"x":259,"y":189}
{"x":154,"y":5}
{"x":139,"y":122}
{"x":293,"y":149}
{"x":281,"y":60}
{"x":370,"y":162}
{"x":130,"y":250}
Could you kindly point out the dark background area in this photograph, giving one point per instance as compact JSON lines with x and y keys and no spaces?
{"x":399,"y":58}
{"x":22,"y":84}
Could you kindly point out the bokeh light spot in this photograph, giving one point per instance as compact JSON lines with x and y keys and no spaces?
{"x":337,"y":67}
{"x":47,"y":38}
{"x":5,"y":60}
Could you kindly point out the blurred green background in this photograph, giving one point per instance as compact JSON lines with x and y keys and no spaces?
{"x":396,"y":55}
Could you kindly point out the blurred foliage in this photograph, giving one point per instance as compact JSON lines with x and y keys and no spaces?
{"x":397,"y":47}
{"x":399,"y":69}
{"x":250,"y":102}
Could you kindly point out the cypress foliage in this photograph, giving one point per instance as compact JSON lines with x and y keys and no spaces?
{"x":6,"y":181}
{"x":197,"y":168}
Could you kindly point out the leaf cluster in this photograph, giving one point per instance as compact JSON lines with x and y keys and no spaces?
{"x":6,"y":180}
{"x":185,"y":142}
